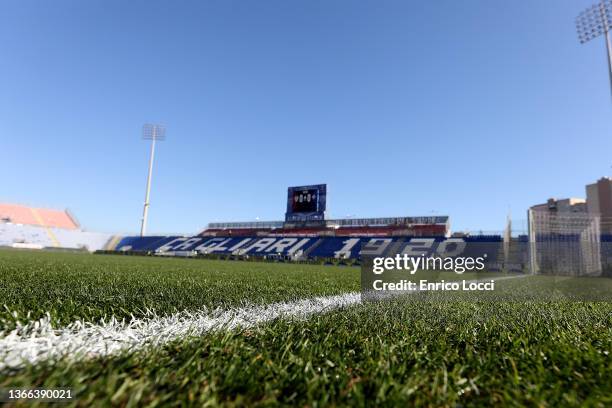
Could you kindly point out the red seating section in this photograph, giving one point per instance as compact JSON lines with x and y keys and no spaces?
{"x":365,"y":231}
{"x":19,"y":214}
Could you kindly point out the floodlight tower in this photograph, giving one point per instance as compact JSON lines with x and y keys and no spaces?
{"x":153,"y":133}
{"x":593,"y":22}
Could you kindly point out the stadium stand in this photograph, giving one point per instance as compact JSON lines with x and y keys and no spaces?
{"x":43,"y":217}
{"x":24,"y":235}
{"x":37,"y":228}
{"x":309,"y":248}
{"x":148,"y":243}
{"x":91,"y":241}
{"x":340,"y":239}
{"x":29,"y":236}
{"x":365,"y":227}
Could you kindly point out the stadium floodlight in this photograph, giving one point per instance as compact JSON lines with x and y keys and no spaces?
{"x":153,"y":133}
{"x":593,"y":22}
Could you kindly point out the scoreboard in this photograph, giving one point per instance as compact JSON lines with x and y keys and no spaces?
{"x":306,"y":203}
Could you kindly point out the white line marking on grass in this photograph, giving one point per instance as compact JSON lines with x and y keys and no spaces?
{"x":38,"y":341}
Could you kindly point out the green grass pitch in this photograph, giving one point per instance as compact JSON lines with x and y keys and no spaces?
{"x":400,"y":352}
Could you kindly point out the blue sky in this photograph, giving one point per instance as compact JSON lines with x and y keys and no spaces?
{"x":466,"y":108}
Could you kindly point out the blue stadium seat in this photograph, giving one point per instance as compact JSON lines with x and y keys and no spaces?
{"x":310,"y":247}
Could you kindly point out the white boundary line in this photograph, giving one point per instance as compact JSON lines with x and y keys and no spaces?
{"x":38,"y":341}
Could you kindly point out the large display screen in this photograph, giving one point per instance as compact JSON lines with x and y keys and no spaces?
{"x":305,"y":200}
{"x":306,"y":203}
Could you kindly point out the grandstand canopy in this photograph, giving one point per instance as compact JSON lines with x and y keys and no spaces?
{"x":361,"y":222}
{"x":44,"y":217}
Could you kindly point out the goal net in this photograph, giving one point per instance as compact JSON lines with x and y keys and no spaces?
{"x":564,"y":243}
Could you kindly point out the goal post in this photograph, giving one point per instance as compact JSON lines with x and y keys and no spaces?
{"x":565,"y":244}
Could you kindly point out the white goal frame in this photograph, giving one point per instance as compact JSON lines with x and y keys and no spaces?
{"x":565,"y":244}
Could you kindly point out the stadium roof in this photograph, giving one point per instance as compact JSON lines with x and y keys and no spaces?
{"x":21,"y":214}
